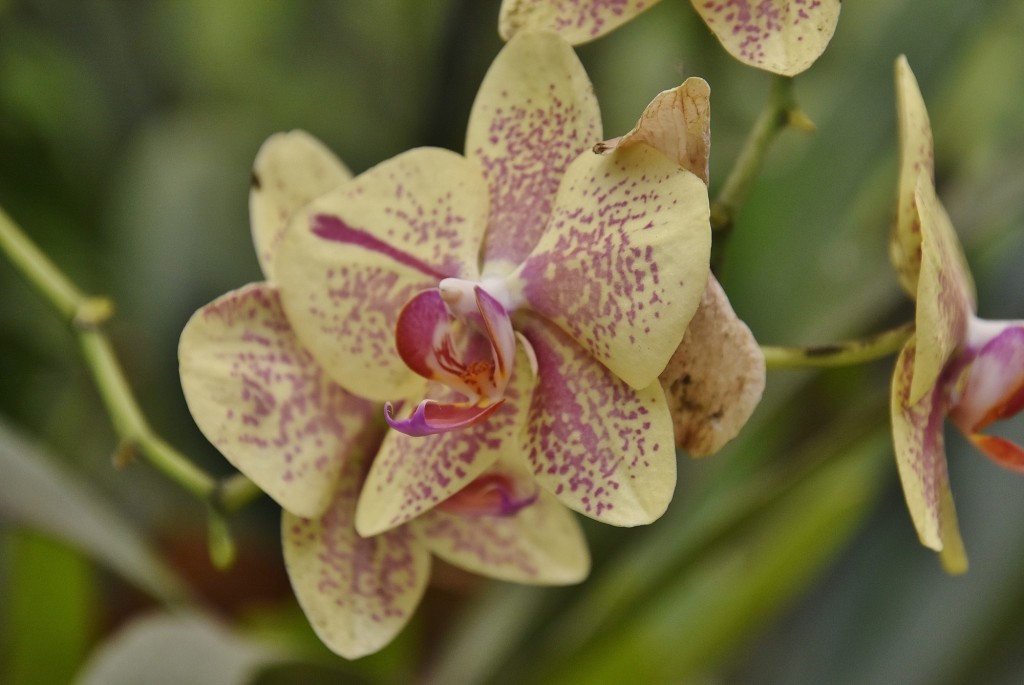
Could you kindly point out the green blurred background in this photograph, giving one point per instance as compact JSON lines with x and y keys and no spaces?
{"x":127,"y":130}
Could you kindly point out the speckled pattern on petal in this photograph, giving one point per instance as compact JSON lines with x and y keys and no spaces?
{"x":541,"y":544}
{"x":413,"y":474}
{"x":535,"y":113}
{"x":916,"y":157}
{"x":945,"y":291}
{"x":603,"y":448}
{"x":262,"y":400}
{"x":352,"y":258}
{"x":357,"y":593}
{"x":577,"y":21}
{"x":624,"y":262}
{"x":921,"y":458}
{"x":781,"y":36}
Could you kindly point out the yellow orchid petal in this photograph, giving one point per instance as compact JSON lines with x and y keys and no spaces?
{"x":263,"y":401}
{"x":624,"y":261}
{"x":781,"y":36}
{"x":945,"y":291}
{"x":357,"y":592}
{"x":677,"y":123}
{"x":916,"y":157}
{"x":534,"y":113}
{"x":352,"y":258}
{"x":601,"y":447}
{"x":577,"y":22}
{"x":412,"y":475}
{"x":921,"y":458}
{"x":540,"y":544}
{"x":715,"y":379}
{"x":290,"y":170}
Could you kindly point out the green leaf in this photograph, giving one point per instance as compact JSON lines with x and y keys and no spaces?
{"x":735,"y":586}
{"x":166,"y":649}
{"x":50,"y":603}
{"x":39,"y":492}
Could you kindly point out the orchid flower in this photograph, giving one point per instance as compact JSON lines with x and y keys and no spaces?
{"x":421,"y":281}
{"x":781,"y":36}
{"x":263,"y":400}
{"x":956,"y":364}
{"x":716,"y":377}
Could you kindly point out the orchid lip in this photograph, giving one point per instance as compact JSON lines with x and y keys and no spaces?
{"x":428,"y":341}
{"x":431,"y":417}
{"x":492,"y":494}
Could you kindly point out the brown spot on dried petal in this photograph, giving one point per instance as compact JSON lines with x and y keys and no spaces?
{"x":716,"y":377}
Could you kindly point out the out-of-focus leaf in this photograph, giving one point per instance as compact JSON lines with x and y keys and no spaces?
{"x":171,"y":649}
{"x":50,"y":603}
{"x":38,"y":492}
{"x":481,"y":640}
{"x":737,"y":585}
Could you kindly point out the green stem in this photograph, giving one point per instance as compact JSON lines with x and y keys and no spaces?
{"x":779,"y":111}
{"x":236,"y":491}
{"x":85,"y":314}
{"x":839,"y":354}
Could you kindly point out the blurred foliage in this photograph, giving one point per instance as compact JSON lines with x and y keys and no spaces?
{"x":126,"y":135}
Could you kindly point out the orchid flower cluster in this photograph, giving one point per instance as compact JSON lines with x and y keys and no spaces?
{"x":449,"y":353}
{"x":452,"y":355}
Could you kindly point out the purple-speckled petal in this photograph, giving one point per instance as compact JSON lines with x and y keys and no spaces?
{"x":357,"y":593}
{"x":577,"y":21}
{"x":624,"y":261}
{"x":916,"y":157}
{"x":945,"y":292}
{"x":603,"y":448}
{"x":539,"y":544}
{"x":263,"y":401}
{"x":495,"y":493}
{"x":533,"y":115}
{"x":432,"y":417}
{"x":921,"y":458}
{"x":290,"y":170}
{"x":352,"y":258}
{"x":413,"y":474}
{"x":781,"y":36}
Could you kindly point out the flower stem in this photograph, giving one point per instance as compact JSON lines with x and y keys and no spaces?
{"x":779,"y":111}
{"x":839,"y":354}
{"x":86,"y":314}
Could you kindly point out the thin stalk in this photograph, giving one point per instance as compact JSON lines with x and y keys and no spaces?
{"x":839,"y":354}
{"x":85,"y":314}
{"x":779,"y":112}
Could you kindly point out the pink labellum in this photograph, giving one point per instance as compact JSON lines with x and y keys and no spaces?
{"x":993,"y":385}
{"x":432,"y":417}
{"x":492,"y":494}
{"x":426,"y":342}
{"x":993,"y":389}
